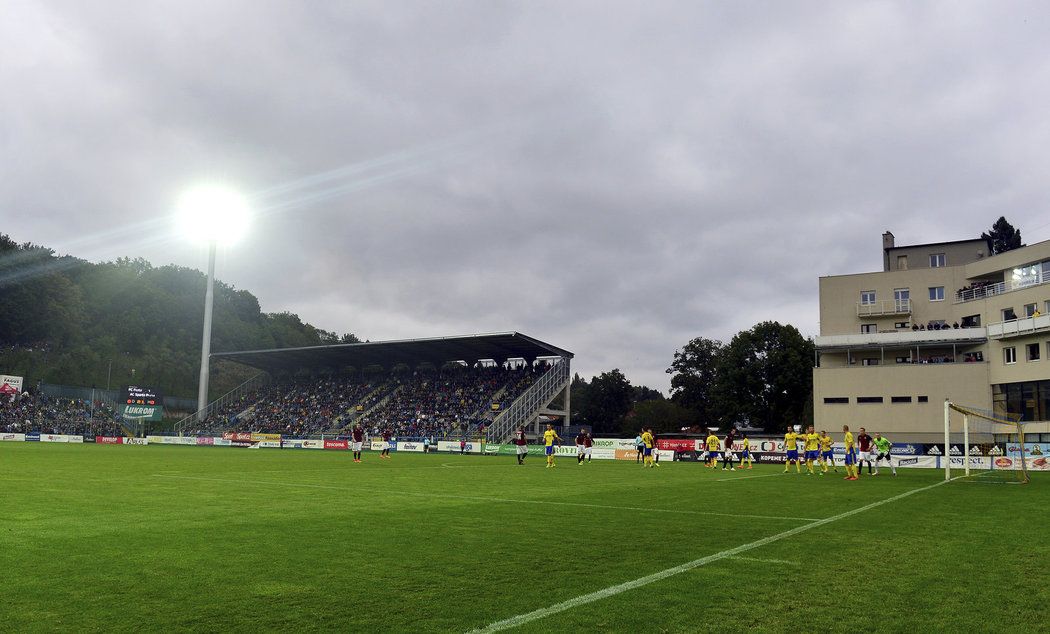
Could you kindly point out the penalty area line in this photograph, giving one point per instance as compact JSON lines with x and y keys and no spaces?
{"x":605,"y":593}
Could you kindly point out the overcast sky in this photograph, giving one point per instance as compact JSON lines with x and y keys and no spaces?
{"x":613,"y":178}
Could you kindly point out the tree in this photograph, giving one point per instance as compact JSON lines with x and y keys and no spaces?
{"x":693,"y":372}
{"x":765,"y":377}
{"x":609,"y":398}
{"x":662,"y":415}
{"x":1003,"y":237}
{"x":645,"y":393}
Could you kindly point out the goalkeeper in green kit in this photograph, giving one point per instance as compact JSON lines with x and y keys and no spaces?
{"x":883,"y":445}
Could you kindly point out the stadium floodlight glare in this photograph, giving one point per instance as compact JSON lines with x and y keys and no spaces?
{"x":216,"y":215}
{"x":213,"y":214}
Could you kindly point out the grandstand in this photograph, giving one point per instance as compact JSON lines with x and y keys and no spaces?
{"x":470,"y":386}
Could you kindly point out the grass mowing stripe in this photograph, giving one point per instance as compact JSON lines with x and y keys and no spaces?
{"x":767,"y":475}
{"x":528,"y":617}
{"x":453,"y":496}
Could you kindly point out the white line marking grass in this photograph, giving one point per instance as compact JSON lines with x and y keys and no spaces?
{"x":783,"y":562}
{"x":452,"y":496}
{"x":541,"y":613}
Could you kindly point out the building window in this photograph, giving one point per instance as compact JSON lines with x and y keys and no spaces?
{"x":1009,"y":355}
{"x":902,"y":263}
{"x":869,"y":399}
{"x":971,"y":321}
{"x":867,"y":298}
{"x":1009,"y":314}
{"x":936,"y":293}
{"x":1031,"y":352}
{"x":900,"y":399}
{"x":973,"y":357}
{"x":901,"y":324}
{"x":923,"y":399}
{"x":1029,"y":309}
{"x":869,"y":328}
{"x":936,"y":260}
{"x":902,"y":299}
{"x":908,"y":359}
{"x":869,"y":362}
{"x":836,"y":400}
{"x":1046,"y":307}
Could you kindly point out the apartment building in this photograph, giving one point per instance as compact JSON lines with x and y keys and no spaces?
{"x":941,"y":320}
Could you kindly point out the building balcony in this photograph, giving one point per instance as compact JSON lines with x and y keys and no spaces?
{"x":1019,"y":327}
{"x":997,"y":288}
{"x":888,"y":307}
{"x":902,"y":339}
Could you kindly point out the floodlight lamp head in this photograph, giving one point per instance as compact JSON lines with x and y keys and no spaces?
{"x":213,"y":214}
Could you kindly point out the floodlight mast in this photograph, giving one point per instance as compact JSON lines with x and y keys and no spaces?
{"x":212,"y":214}
{"x":209,"y":300}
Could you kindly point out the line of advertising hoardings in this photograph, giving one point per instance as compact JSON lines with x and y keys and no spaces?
{"x":763,"y":450}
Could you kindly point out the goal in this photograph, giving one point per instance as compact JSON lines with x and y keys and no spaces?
{"x":987,"y":445}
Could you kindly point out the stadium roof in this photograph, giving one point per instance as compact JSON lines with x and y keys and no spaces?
{"x":439,"y":350}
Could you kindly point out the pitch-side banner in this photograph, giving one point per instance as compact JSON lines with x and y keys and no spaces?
{"x":410,"y":446}
{"x":452,"y":446}
{"x":12,"y":437}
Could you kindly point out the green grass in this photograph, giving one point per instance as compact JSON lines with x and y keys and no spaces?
{"x":104,"y":538}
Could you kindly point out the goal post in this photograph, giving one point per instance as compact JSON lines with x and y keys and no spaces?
{"x":1004,"y":457}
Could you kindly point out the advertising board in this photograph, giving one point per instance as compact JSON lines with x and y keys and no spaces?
{"x":335,"y":444}
{"x":417,"y":446}
{"x":12,"y":437}
{"x":109,"y":440}
{"x":313,"y":444}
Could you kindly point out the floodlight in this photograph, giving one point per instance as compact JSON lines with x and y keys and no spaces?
{"x":214,"y":214}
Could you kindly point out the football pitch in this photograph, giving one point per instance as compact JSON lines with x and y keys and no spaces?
{"x":116,"y":538}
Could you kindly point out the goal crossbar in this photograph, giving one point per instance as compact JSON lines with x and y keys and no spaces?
{"x":1010,"y":424}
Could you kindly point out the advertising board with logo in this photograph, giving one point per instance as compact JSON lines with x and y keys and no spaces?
{"x":270,"y":444}
{"x":678,"y":444}
{"x":10,"y":386}
{"x":237,"y":436}
{"x":1031,"y":448}
{"x":141,"y":403}
{"x":204,"y":440}
{"x":335,"y":444}
{"x":109,"y":440}
{"x":12,"y":437}
{"x":136,"y":441}
{"x":452,"y":446}
{"x":33,"y":436}
{"x":313,"y":444}
{"x":417,"y":446}
{"x":613,"y":443}
{"x":255,"y":437}
{"x":292,"y":443}
{"x":221,"y":442}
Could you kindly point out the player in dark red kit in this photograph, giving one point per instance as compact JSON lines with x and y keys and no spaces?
{"x":387,"y":437}
{"x":588,"y":442}
{"x":864,"y":444}
{"x":580,"y":440}
{"x":521,"y":442}
{"x":358,"y":435}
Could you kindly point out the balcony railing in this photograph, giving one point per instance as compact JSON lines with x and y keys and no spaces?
{"x":997,"y":288}
{"x":887,"y":307}
{"x":1019,"y":327}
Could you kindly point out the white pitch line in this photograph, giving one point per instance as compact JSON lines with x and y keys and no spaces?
{"x":766,"y":561}
{"x":452,"y":496}
{"x":541,"y":613}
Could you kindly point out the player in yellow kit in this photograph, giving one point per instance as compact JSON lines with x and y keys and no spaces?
{"x":647,"y":448}
{"x":851,"y":454}
{"x":746,"y":454}
{"x":549,"y":437}
{"x":712,"y":450}
{"x":812,"y":440}
{"x":791,"y":447}
{"x":826,"y":454}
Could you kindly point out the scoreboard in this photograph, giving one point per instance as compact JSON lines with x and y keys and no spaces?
{"x":138,"y":395}
{"x":141,"y":403}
